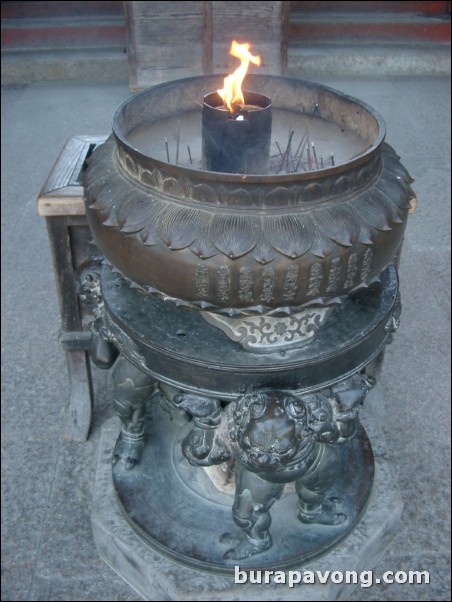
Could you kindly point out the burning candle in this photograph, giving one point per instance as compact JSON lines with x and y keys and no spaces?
{"x":236,"y":125}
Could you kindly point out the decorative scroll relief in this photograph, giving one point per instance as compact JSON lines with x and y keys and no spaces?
{"x":266,"y":334}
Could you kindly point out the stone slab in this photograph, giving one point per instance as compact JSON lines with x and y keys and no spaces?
{"x":154,"y":576}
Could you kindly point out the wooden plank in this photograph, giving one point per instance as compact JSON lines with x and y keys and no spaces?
{"x":207,"y":61}
{"x":92,"y":138}
{"x":78,"y":419}
{"x":64,"y":273}
{"x":131,"y":45}
{"x":285,"y":17}
{"x":66,"y":202}
{"x":167,"y":41}
{"x":75,"y":341}
{"x":64,"y":166}
{"x":62,"y":194}
{"x":77,"y":221}
{"x":62,"y":171}
{"x":260,"y":20}
{"x":259,"y":23}
{"x":164,"y":42}
{"x":82,"y":244}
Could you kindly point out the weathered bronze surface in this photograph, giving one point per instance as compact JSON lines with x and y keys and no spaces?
{"x":242,"y":244}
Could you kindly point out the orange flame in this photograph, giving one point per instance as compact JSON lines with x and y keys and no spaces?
{"x":232,"y":92}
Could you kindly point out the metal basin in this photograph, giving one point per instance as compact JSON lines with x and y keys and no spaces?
{"x":306,"y":233}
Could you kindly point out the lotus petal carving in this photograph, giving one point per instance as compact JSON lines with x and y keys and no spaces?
{"x":205,"y":193}
{"x":173,"y":187}
{"x":313,"y":192}
{"x":234,"y":235}
{"x":263,"y":253}
{"x":150,"y":234}
{"x":150,"y":178}
{"x":203,"y":248}
{"x":180,"y":226}
{"x":277,"y":197}
{"x":238,"y":197}
{"x":291,"y":235}
{"x":322,"y":246}
{"x":374,"y":213}
{"x":339,"y":223}
{"x":136,"y":213}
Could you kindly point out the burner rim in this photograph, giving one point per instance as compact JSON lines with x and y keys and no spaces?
{"x":146,"y":161}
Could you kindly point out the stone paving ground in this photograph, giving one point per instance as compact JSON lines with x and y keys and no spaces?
{"x":47,"y":482}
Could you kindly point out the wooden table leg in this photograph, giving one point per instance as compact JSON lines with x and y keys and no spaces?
{"x":80,"y":396}
{"x":81,"y":392}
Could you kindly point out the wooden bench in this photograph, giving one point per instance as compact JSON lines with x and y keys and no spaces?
{"x":61,"y":203}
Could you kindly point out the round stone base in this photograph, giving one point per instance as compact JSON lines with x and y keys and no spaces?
{"x":155,"y":576}
{"x":176,"y":508}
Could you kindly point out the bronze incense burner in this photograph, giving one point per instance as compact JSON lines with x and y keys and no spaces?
{"x":249,"y":310}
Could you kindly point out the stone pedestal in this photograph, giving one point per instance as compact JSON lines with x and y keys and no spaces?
{"x":154,"y":576}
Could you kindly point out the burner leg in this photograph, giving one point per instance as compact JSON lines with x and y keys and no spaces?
{"x":132,"y":389}
{"x":313,"y":487}
{"x":202,"y":446}
{"x":251,"y":512}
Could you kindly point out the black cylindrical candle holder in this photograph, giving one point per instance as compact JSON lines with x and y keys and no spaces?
{"x":236,"y":142}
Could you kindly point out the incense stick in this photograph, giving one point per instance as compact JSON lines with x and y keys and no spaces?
{"x":177,"y":144}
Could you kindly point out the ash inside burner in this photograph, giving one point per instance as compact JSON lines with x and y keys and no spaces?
{"x":299,"y":143}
